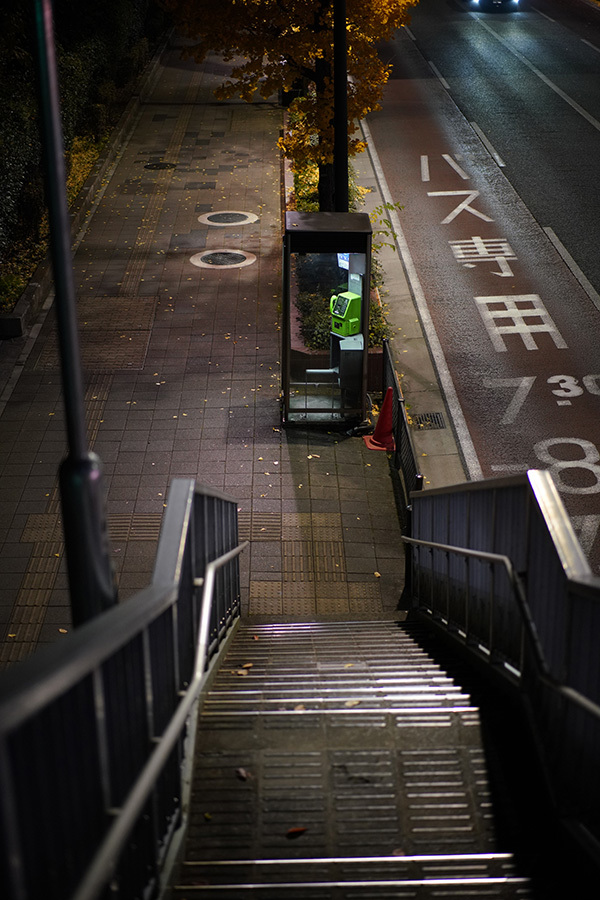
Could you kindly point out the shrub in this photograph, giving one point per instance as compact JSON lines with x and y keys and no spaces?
{"x":314,"y":319}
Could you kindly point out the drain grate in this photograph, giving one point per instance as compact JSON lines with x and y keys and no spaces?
{"x":428,"y":420}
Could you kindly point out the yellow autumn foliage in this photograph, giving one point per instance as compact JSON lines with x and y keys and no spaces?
{"x":279,"y":45}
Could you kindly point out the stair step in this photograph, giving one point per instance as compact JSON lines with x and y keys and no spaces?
{"x":454,"y":876}
{"x":340,"y":738}
{"x":327,"y":668}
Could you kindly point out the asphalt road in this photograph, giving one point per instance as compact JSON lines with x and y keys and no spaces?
{"x":493,"y":168}
{"x":530,"y":81}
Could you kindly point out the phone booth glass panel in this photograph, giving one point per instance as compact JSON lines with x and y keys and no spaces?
{"x":326,"y":290}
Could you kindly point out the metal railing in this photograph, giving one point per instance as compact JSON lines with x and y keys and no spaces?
{"x":497,"y":566}
{"x":404,"y":458}
{"x":94,"y":731}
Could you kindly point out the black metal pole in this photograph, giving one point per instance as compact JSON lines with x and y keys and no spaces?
{"x":340,"y":115}
{"x":91,"y":579}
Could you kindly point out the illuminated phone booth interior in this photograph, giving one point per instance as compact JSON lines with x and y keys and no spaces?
{"x":326,"y":290}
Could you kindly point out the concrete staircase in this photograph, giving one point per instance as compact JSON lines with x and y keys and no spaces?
{"x":338,"y":761}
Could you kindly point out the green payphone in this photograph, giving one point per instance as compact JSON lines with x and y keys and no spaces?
{"x":345,"y":314}
{"x":325,"y":323}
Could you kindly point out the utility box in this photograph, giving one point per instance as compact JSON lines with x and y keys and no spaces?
{"x":345,"y":313}
{"x":325,"y":327}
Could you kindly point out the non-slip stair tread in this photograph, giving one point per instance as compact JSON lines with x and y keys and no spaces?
{"x":417,"y":866}
{"x":341,"y":742}
{"x":460,"y":872}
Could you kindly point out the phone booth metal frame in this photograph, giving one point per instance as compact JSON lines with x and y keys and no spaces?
{"x":326,"y":273}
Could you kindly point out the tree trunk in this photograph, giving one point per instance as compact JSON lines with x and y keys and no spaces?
{"x":326,"y":188}
{"x":326,"y":170}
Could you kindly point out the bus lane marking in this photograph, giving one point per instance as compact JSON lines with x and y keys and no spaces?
{"x":465,"y":440}
{"x":464,"y":206}
{"x":512,"y":315}
{"x":476,"y":249}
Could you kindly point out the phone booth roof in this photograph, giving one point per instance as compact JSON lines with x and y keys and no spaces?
{"x":327,"y":232}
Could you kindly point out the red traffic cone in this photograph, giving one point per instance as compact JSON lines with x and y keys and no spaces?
{"x":383,"y":436}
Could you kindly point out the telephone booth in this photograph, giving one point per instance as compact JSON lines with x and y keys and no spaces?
{"x":326,"y":291}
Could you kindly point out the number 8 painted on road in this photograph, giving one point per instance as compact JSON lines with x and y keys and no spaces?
{"x":589,"y":461}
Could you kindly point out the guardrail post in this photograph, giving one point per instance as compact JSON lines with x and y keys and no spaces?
{"x":91,"y":578}
{"x":405,"y":601}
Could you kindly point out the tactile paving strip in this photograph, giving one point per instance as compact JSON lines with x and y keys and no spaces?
{"x":259,"y":526}
{"x":134,"y":527}
{"x":114,"y":334}
{"x":102,"y":352}
{"x":329,"y":524}
{"x":42,"y":527}
{"x":125,"y":527}
{"x":301,"y":607}
{"x":329,"y":560}
{"x":320,"y":560}
{"x":29,"y":611}
{"x":333,"y":606}
{"x":263,"y":603}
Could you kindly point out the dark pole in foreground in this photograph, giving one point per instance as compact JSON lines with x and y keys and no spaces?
{"x":91,"y":580}
{"x":340,"y":102}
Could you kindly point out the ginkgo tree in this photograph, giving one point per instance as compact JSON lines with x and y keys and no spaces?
{"x":287,"y":45}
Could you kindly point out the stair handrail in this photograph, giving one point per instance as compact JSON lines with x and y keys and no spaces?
{"x":109,"y":850}
{"x":196,"y":562}
{"x":541,"y":643}
{"x":516,"y":581}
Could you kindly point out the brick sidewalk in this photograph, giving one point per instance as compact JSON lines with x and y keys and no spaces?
{"x":182,"y":380}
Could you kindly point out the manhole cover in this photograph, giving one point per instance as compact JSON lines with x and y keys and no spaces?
{"x":228,"y":217}
{"x":223,"y":258}
{"x":160,"y":165}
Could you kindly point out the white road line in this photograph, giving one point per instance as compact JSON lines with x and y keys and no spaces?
{"x":543,"y":15}
{"x":438,"y":75}
{"x":592,"y":46}
{"x":425,"y":176}
{"x":435,"y":347}
{"x":583,"y":281}
{"x":487,"y":144}
{"x":454,"y":165}
{"x":553,"y":87}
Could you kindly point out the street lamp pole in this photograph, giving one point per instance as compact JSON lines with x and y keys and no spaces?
{"x":340,"y":101}
{"x":91,"y":581}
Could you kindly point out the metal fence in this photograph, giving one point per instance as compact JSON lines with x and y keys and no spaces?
{"x":497,"y":565}
{"x":93,"y":732}
{"x":404,"y":457}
